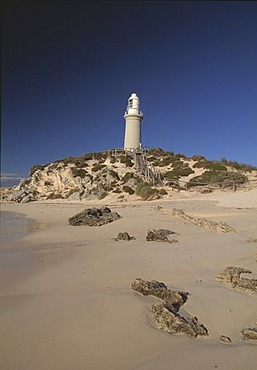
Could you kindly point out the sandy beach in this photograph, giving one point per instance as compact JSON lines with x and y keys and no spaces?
{"x":66,"y":296}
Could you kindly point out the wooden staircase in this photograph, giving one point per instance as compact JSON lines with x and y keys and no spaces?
{"x":146,"y":170}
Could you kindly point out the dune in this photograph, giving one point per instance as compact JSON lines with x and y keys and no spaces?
{"x":66,"y":296}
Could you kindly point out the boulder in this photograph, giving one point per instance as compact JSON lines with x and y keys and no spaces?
{"x":171,"y":298}
{"x":124,"y":236}
{"x":161,"y":235}
{"x":94,"y":217}
{"x":225,"y":339}
{"x":165,"y":316}
{"x":173,"y":323}
{"x":249,"y":333}
{"x":232,"y":275}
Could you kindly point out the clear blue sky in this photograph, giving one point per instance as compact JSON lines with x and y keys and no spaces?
{"x":70,"y":66}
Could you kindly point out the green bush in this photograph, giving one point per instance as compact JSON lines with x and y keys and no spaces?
{"x":78,"y":172}
{"x":156,"y":151}
{"x":35,"y":168}
{"x":97,"y":167}
{"x":78,"y":161}
{"x":114,"y":174}
{"x":113,"y":160}
{"x":102,"y":195}
{"x":238,"y":166}
{"x":214,"y":177}
{"x":126,"y":160}
{"x":163,"y":192}
{"x":145,"y":191}
{"x":117,"y":190}
{"x":100,"y":156}
{"x":210,"y":165}
{"x":151,"y":159}
{"x":128,"y":176}
{"x":181,"y":170}
{"x":128,"y":190}
{"x":197,"y":157}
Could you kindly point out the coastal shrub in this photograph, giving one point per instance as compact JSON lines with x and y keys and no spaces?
{"x":114,"y":174}
{"x":126,"y":160}
{"x":128,"y":176}
{"x":100,"y":156}
{"x":117,"y":191}
{"x":156,"y":151}
{"x":181,"y":170}
{"x":163,"y":192}
{"x":170,"y":160}
{"x":35,"y":168}
{"x":78,"y":172}
{"x":180,"y":155}
{"x":113,"y":160}
{"x":102,"y":195}
{"x":156,"y":163}
{"x":197,"y":157}
{"x":128,"y":190}
{"x":151,"y":159}
{"x":210,"y":165}
{"x":145,"y":191}
{"x":225,"y":178}
{"x":238,"y":166}
{"x":97,"y":167}
{"x":77,"y":161}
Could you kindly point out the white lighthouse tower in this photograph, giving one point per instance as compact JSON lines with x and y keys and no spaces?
{"x":133,"y":118}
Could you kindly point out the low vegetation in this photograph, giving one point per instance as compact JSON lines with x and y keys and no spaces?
{"x":126,"y":160}
{"x":78,"y":172}
{"x":238,"y":166}
{"x":128,"y":190}
{"x":145,"y":191}
{"x":98,"y":167}
{"x":225,"y":178}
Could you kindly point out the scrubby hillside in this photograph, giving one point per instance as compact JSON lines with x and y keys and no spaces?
{"x":94,"y":176}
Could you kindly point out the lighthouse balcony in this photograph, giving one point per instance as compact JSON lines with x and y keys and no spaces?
{"x":133,"y":113}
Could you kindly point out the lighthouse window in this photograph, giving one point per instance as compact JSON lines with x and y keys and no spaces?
{"x":130,"y":103}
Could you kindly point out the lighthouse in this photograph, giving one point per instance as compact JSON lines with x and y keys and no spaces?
{"x":133,"y":118}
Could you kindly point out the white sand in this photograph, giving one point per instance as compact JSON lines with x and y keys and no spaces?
{"x":66,"y":297}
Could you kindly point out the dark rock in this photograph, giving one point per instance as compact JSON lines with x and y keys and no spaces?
{"x":171,"y":322}
{"x":172,"y":299}
{"x":124,"y":236}
{"x":94,"y":217}
{"x":161,"y":235}
{"x":232,"y":275}
{"x":225,"y":339}
{"x":249,"y":333}
{"x":165,"y":315}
